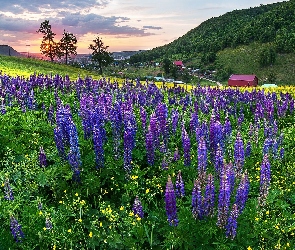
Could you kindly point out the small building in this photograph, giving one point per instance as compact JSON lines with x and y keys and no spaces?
{"x":243,"y":80}
{"x":179,"y":64}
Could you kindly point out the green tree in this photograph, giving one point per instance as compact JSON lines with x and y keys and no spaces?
{"x":167,"y":64}
{"x":67,"y":45}
{"x":100,"y":54}
{"x":267,"y":56}
{"x":48,"y":47}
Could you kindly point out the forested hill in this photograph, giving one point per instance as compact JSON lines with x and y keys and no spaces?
{"x":272,"y":23}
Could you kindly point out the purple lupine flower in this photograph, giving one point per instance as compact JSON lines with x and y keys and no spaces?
{"x":267,"y":146}
{"x":48,"y":224}
{"x":50,"y":115}
{"x":8,"y":191}
{"x":282,"y":153}
{"x":209,"y":199}
{"x":170,"y":201}
{"x":291,"y":106}
{"x":275,"y":147}
{"x":248,"y":149}
{"x":223,"y":201}
{"x":174,"y":122}
{"x":202,"y":158}
{"x":59,"y":142}
{"x":149,"y":144}
{"x":186,"y":143}
{"x":98,"y":141}
{"x":239,"y":154}
{"x":216,"y":135}
{"x":3,"y":109}
{"x":143,"y":117}
{"x":42,"y":158}
{"x":179,"y":185}
{"x":176,"y":155}
{"x":194,"y":121}
{"x":230,"y":173}
{"x":155,"y":130}
{"x":74,"y":155}
{"x":227,"y":128}
{"x":231,"y":226}
{"x":137,"y":208}
{"x":128,"y":147}
{"x":74,"y":161}
{"x":197,"y":201}
{"x":162,"y":114}
{"x":164,"y":164}
{"x":16,"y":230}
{"x":218,"y":163}
{"x":264,"y":180}
{"x":242,"y":193}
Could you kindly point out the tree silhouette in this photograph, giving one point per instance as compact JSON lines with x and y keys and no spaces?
{"x":48,"y":47}
{"x":100,"y":55}
{"x":67,"y":45}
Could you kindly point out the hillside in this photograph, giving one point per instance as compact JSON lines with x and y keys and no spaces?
{"x":26,"y":66}
{"x":6,"y":50}
{"x":272,"y":24}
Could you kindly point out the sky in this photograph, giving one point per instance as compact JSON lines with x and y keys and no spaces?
{"x":121,"y":24}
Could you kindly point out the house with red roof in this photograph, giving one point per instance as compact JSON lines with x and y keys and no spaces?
{"x":179,"y":64}
{"x":243,"y":81}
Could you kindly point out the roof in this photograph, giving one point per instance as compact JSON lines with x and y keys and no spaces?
{"x":178,"y":63}
{"x":269,"y":85}
{"x":242,"y":77}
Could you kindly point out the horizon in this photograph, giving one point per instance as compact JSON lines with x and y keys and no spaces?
{"x":135,"y":26}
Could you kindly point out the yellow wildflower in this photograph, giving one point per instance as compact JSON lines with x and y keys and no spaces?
{"x":70,"y":230}
{"x":44,"y":228}
{"x":122,"y":208}
{"x":76,"y":194}
{"x":60,"y":202}
{"x":147,"y":190}
{"x":267,"y":212}
{"x":131,"y":214}
{"x":40,"y":213}
{"x":100,"y":224}
{"x":249,"y":248}
{"x":80,"y":220}
{"x":90,"y":234}
{"x":257,"y":219}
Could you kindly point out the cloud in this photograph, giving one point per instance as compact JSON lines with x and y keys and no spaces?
{"x":152,"y":27}
{"x":19,"y":6}
{"x":75,"y":23}
{"x":18,"y":24}
{"x":93,"y":23}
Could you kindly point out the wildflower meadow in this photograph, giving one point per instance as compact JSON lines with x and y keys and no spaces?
{"x":97,"y":164}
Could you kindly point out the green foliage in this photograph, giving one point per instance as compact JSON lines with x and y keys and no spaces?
{"x":266,"y":24}
{"x":48,"y":47}
{"x":67,"y":45}
{"x":100,"y":54}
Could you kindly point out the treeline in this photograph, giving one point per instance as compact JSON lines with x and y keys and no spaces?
{"x":272,"y":23}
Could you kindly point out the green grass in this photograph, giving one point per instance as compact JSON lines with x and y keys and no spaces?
{"x":245,"y":60}
{"x":17,"y":66}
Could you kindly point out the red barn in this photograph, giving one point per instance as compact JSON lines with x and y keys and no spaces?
{"x":243,"y":80}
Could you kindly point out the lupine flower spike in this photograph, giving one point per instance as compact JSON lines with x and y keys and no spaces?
{"x":170,"y":202}
{"x":137,"y":208}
